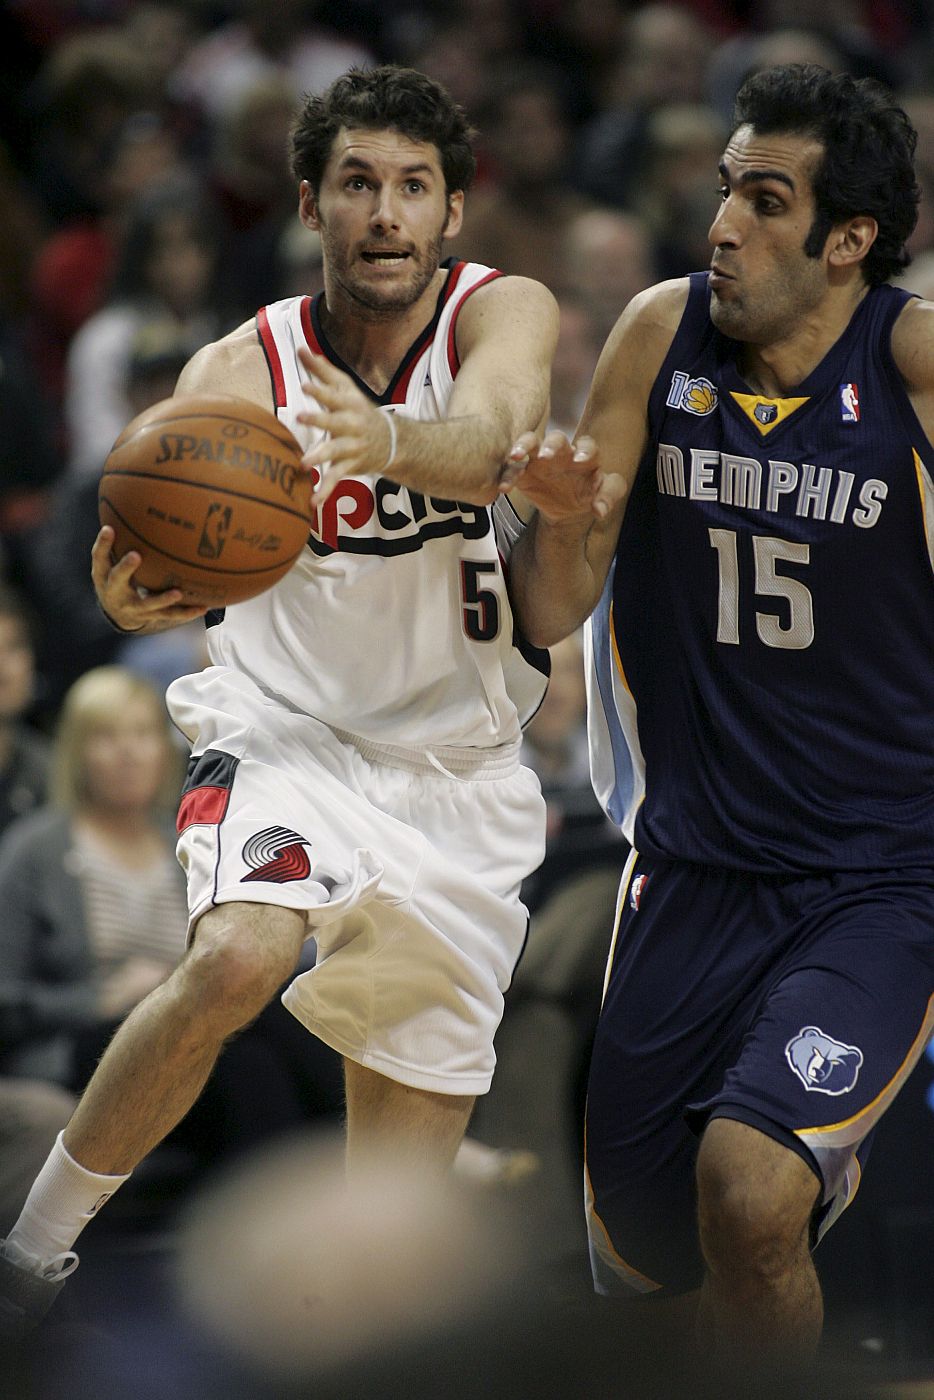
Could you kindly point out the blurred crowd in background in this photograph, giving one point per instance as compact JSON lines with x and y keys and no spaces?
{"x":148,"y":208}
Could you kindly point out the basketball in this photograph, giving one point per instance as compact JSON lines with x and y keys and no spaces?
{"x":208,"y":490}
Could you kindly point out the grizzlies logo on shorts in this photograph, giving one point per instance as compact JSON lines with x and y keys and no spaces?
{"x":821,"y":1063}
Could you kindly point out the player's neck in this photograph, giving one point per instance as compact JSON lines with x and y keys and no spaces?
{"x":373,"y":343}
{"x":778,"y":369}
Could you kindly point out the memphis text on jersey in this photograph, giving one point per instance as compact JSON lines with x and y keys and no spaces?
{"x":776,"y":487}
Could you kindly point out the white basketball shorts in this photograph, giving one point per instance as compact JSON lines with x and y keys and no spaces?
{"x":407,"y":866}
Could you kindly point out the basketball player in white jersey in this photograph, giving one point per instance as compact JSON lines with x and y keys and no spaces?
{"x":354,"y":773}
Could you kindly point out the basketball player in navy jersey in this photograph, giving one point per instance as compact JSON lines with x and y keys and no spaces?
{"x":761,"y":716}
{"x":355,"y":740}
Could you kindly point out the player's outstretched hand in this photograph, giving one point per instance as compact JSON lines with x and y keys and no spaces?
{"x":360,"y":438}
{"x":122,"y":602}
{"x":563,"y":480}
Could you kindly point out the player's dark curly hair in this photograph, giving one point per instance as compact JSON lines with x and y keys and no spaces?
{"x":377,"y":99}
{"x":869,"y":145}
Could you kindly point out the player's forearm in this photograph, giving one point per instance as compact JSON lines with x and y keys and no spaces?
{"x":460,"y":459}
{"x":552,"y":583}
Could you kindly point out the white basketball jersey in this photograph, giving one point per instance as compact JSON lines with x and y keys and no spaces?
{"x":394,"y":624}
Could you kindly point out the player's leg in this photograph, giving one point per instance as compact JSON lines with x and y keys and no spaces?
{"x":160,"y":1058}
{"x":760,"y":1299}
{"x":667,"y":1032}
{"x":413,"y":1125}
{"x":156,"y":1066}
{"x":842,"y":1020}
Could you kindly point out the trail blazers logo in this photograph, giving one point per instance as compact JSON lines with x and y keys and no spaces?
{"x":276,"y":854}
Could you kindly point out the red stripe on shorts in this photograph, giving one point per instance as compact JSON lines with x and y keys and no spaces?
{"x":203,"y":806}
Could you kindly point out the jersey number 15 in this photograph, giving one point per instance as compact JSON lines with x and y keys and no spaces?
{"x":798,"y":632}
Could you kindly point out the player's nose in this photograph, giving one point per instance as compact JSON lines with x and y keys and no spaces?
{"x":724,"y":231}
{"x":384,"y":214}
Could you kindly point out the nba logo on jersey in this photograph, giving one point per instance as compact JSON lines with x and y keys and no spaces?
{"x":849,"y":403}
{"x":635,"y":890}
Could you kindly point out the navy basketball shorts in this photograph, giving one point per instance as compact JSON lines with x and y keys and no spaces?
{"x":798,"y":1005}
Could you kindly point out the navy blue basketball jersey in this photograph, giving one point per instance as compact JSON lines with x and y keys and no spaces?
{"x":762,"y":686}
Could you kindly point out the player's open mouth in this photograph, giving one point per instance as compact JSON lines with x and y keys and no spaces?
{"x":384,"y":257}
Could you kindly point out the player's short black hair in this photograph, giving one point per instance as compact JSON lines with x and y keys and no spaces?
{"x":868,"y":161}
{"x":378,"y":99}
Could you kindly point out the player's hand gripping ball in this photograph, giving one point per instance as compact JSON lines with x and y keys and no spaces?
{"x":211,"y":492}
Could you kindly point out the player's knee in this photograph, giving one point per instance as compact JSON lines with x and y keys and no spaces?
{"x":753,"y":1209}
{"x":231,"y":972}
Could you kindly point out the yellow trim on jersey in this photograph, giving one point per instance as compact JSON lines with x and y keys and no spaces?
{"x":616,"y":656}
{"x":886,"y":1095}
{"x":640,"y":1282}
{"x":926,"y":490}
{"x":784,"y":408}
{"x":625,"y":882}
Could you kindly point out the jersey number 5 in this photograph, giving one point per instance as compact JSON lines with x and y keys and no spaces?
{"x":798,"y":633}
{"x":481,"y":605}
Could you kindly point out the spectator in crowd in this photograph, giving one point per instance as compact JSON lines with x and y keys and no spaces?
{"x":609,"y":256}
{"x":262,"y":40}
{"x":520,"y":221}
{"x":167,"y":267}
{"x":75,"y":265}
{"x":94,"y":902}
{"x":77,"y":634}
{"x":24,"y":752}
{"x":29,"y":463}
{"x":95,"y":916}
{"x":662,"y":58}
{"x":576,"y":356}
{"x":683,"y":142}
{"x":251,"y":186}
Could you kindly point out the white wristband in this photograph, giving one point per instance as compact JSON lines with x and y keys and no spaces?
{"x":393,"y":437}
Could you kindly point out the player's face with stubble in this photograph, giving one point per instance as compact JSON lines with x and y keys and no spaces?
{"x":382,"y":212}
{"x":762,"y":282}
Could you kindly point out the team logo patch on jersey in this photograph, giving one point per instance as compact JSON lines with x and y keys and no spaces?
{"x":635,"y":890}
{"x":696,"y":396}
{"x":823,"y":1064}
{"x":276,"y":854}
{"x":849,"y":403}
{"x":765,"y":413}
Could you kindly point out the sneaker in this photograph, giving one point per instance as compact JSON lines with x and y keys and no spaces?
{"x":481,"y":1165}
{"x":28,"y":1288}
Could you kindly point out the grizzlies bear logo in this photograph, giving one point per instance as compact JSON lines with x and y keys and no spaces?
{"x":821,"y":1063}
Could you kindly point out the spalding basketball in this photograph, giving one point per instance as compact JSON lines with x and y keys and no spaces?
{"x":209,"y":491}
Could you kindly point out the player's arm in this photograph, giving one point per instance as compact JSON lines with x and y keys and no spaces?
{"x":558,"y":567}
{"x":235,"y":365}
{"x":913,"y":352}
{"x":506,"y":336}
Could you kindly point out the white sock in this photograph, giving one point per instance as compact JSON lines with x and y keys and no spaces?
{"x":64,"y":1197}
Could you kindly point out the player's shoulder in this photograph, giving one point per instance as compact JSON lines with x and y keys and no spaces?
{"x":658,"y":309}
{"x":507,"y":311}
{"x":234,"y":364}
{"x":913,"y":343}
{"x":642,"y":336}
{"x":506,"y":294}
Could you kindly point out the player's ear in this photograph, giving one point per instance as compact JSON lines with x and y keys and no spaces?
{"x":308,"y":206}
{"x":455,"y":214}
{"x":850,"y":242}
